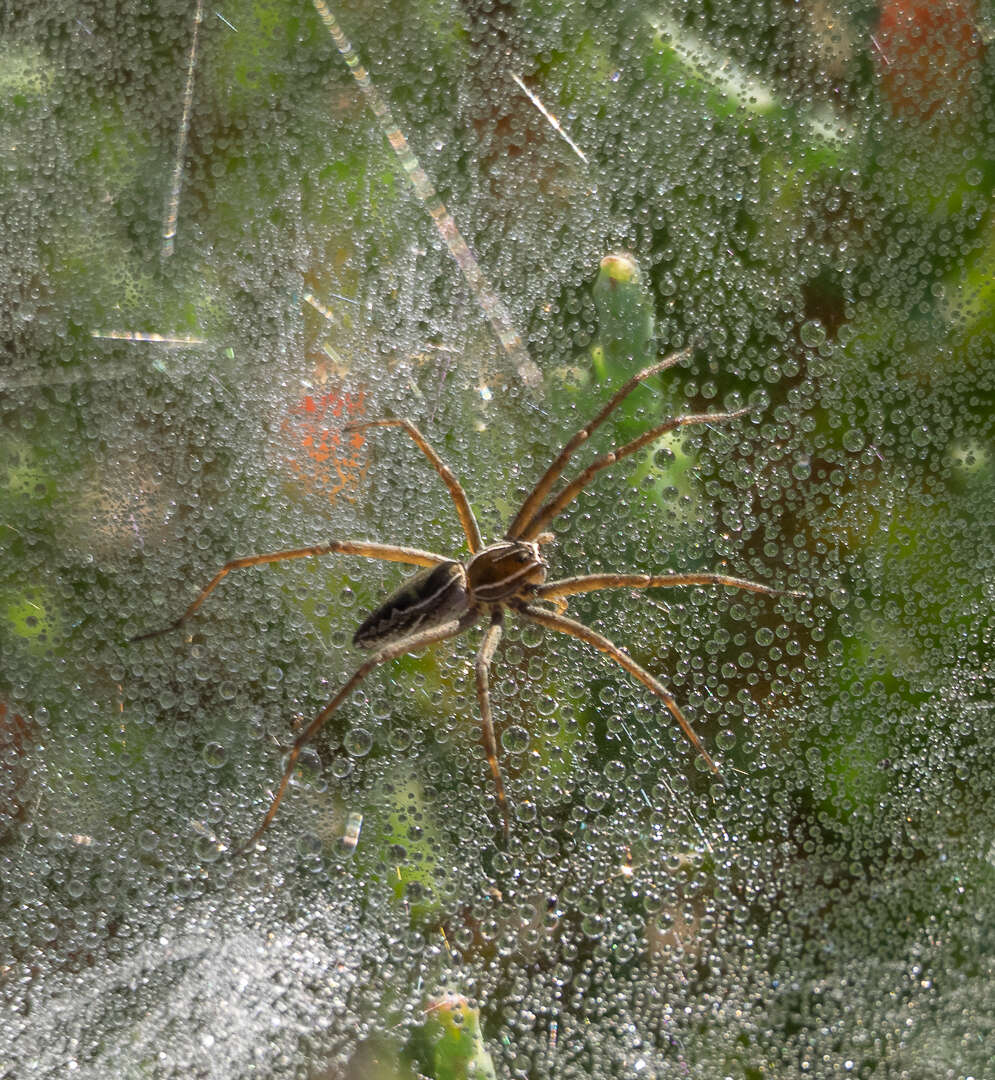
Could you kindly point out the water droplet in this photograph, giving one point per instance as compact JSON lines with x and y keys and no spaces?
{"x":764,"y":636}
{"x":308,"y":766}
{"x":214,"y":755}
{"x":358,"y":742}
{"x":208,"y":849}
{"x":341,"y":767}
{"x":400,"y":738}
{"x":615,"y":771}
{"x":853,"y":440}
{"x":515,"y":739}
{"x":812,"y":333}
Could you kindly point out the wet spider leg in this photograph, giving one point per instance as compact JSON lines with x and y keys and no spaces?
{"x":576,"y":629}
{"x":384,"y":552}
{"x":586,"y":583}
{"x":484,"y":657}
{"x":467,"y":520}
{"x":519,"y":526}
{"x":556,"y":505}
{"x":389,"y":652}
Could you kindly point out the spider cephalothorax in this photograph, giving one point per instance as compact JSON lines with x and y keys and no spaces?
{"x":448,"y":595}
{"x":505,"y":569}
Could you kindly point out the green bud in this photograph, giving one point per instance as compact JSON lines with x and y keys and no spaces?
{"x":626,"y":322}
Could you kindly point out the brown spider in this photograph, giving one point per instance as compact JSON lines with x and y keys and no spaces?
{"x":449,"y":595}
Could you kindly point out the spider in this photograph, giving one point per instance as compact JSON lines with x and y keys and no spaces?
{"x":447,"y":596}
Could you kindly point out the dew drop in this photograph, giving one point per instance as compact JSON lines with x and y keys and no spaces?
{"x":214,"y":755}
{"x":515,"y":739}
{"x":358,"y":742}
{"x":853,"y":440}
{"x":812,"y":333}
{"x":308,"y":766}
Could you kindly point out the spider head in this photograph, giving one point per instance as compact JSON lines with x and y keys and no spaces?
{"x":505,"y":569}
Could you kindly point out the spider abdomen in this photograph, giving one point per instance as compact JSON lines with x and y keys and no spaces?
{"x":427,"y":599}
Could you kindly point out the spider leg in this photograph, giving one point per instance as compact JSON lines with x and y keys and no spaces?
{"x":592,"y":582}
{"x":385,"y":552}
{"x":556,"y":505}
{"x":484,"y":657}
{"x":388,"y":652}
{"x":578,"y":630}
{"x":520,"y":525}
{"x":467,"y":520}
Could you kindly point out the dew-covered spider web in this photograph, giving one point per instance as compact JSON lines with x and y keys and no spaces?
{"x":229,"y":232}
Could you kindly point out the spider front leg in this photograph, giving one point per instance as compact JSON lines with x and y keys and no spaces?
{"x":523,"y":518}
{"x":467,"y":520}
{"x":572,"y":628}
{"x":388,"y":652}
{"x":384,"y":552}
{"x":484,"y":657}
{"x":556,"y":590}
{"x":559,"y":502}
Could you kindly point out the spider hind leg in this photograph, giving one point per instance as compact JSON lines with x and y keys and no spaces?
{"x":383,"y":552}
{"x":484,"y":657}
{"x":391,"y":651}
{"x":573,"y":628}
